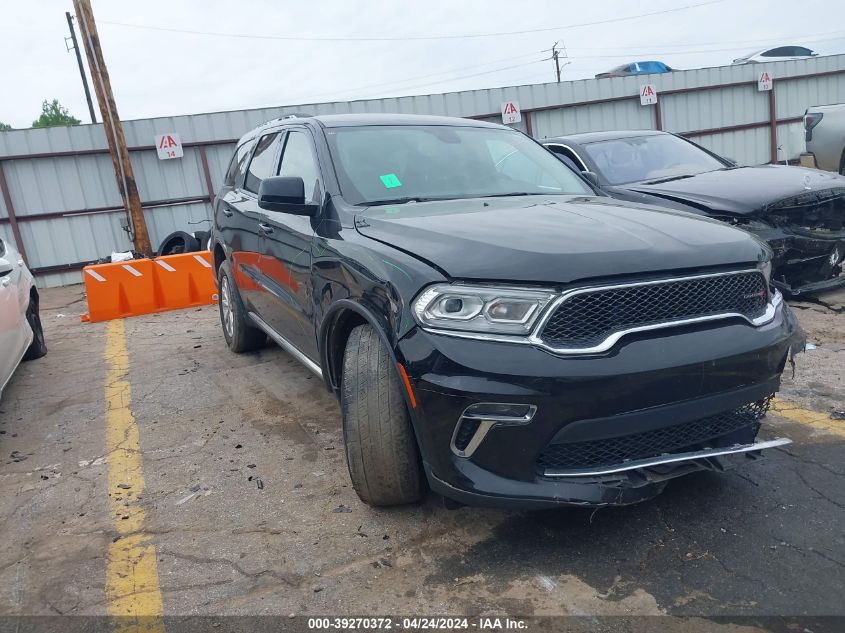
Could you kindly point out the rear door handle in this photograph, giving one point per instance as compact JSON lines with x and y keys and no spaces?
{"x":265,"y":228}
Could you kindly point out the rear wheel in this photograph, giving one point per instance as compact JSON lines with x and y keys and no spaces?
{"x":240,"y":334}
{"x":38,"y":347}
{"x":381,"y":450}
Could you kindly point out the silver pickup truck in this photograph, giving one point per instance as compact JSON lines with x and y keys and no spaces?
{"x":824,"y":131}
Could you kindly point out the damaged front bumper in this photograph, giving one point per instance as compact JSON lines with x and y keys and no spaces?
{"x":706,"y":458}
{"x":805,"y":262}
{"x":694,"y":396}
{"x":623,"y":484}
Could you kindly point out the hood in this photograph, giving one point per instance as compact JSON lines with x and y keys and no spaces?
{"x":559,"y":239}
{"x":741,"y":190}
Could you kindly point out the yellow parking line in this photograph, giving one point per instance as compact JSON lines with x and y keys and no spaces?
{"x":132,"y":585}
{"x":814,"y":419}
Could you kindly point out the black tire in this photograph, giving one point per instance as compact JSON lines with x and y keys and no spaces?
{"x":240,"y":334}
{"x":38,"y":347}
{"x":179,"y":242}
{"x":202,"y":237}
{"x":381,"y":450}
{"x":842,"y":164}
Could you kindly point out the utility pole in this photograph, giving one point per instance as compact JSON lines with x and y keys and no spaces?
{"x":112,"y":127}
{"x":555,"y":55}
{"x":81,"y":67}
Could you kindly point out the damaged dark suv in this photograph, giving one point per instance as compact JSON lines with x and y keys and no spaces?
{"x":799,"y":212}
{"x":492,"y":325}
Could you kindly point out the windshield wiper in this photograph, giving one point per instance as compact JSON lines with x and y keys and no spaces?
{"x":513,"y":193}
{"x":376,"y":203}
{"x":670,"y":179}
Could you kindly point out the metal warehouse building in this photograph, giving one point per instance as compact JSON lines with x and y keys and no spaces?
{"x":60,"y":204}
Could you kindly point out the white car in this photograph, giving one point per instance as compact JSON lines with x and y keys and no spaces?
{"x":824,"y":133}
{"x":776,"y":54}
{"x":21,"y":335}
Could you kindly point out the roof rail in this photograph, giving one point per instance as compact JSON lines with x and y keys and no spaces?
{"x":294,"y":115}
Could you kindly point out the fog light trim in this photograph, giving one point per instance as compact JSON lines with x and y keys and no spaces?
{"x":486,"y":421}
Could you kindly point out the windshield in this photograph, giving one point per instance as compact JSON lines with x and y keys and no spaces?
{"x":402,"y":163}
{"x":649,"y":67}
{"x":639,"y":158}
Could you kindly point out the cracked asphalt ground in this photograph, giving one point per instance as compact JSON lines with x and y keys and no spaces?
{"x":763,"y":540}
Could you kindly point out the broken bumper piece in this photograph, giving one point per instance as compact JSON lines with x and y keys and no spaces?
{"x":707,"y":459}
{"x":623,"y":484}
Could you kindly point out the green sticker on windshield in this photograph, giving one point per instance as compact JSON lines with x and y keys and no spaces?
{"x":390,"y":181}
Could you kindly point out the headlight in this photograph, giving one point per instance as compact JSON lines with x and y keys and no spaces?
{"x":480,"y":308}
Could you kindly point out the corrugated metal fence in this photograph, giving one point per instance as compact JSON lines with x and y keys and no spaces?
{"x":60,"y":204}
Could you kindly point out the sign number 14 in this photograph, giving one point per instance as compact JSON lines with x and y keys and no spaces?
{"x":169,"y":146}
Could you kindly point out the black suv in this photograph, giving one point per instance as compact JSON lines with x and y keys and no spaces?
{"x":490,"y":323}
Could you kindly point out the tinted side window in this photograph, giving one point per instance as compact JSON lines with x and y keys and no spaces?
{"x":261,"y":165}
{"x":299,"y":160}
{"x":781,"y":51}
{"x":238,"y":165}
{"x":800,"y":50}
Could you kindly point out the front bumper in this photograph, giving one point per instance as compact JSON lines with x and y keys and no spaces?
{"x":803,"y":263}
{"x":646,"y":382}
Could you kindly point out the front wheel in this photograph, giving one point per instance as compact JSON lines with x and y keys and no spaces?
{"x":240,"y":334}
{"x":381,"y":450}
{"x":38,"y":347}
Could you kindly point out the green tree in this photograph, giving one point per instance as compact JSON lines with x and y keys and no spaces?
{"x":53,"y":114}
{"x":4,"y":127}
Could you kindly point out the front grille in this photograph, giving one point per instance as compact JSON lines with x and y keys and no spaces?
{"x":585,"y":320}
{"x":671,"y":439}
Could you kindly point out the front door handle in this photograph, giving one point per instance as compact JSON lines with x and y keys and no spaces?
{"x":265,"y":228}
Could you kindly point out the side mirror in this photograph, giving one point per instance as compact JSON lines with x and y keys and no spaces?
{"x":285,"y":194}
{"x":592,"y":178}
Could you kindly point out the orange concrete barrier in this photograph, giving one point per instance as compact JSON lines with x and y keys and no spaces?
{"x":144,"y":286}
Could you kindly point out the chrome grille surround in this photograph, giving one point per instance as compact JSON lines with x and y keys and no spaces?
{"x":536,"y":340}
{"x":587,"y":318}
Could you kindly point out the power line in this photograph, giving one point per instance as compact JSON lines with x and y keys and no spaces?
{"x":667,"y":53}
{"x":487,"y":72}
{"x":570,"y":60}
{"x":769,"y":40}
{"x":417,"y":77}
{"x":397,"y":84}
{"x":309,"y":99}
{"x":297,"y":38}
